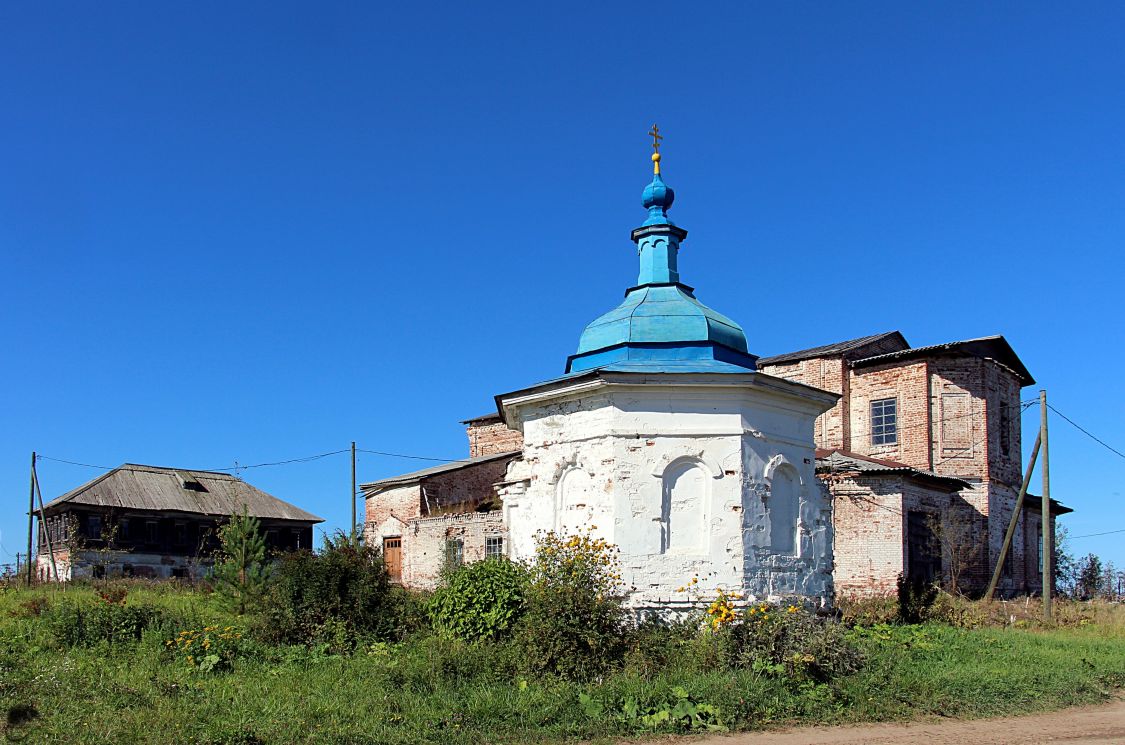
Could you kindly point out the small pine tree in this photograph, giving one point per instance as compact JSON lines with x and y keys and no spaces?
{"x":241,"y":572}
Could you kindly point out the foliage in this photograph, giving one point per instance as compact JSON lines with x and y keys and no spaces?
{"x":915,"y":598}
{"x":574,"y":622}
{"x":866,"y":611}
{"x":334,"y":597}
{"x":241,"y":573}
{"x":481,"y":600}
{"x":1089,"y":571}
{"x":86,"y":624}
{"x":677,"y":711}
{"x":433,"y":689}
{"x":207,"y":649}
{"x":793,"y":643}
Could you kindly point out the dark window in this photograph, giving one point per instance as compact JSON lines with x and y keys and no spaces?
{"x":181,"y":534}
{"x":493,"y":546}
{"x":1005,"y":430}
{"x":123,"y":530}
{"x":454,"y":552}
{"x":94,"y":527}
{"x":1039,"y":550}
{"x":152,"y":536}
{"x":923,"y":550}
{"x":884,"y":422}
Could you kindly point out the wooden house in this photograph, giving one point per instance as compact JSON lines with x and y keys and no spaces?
{"x":147,"y":521}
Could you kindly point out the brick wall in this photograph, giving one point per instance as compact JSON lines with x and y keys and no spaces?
{"x":491,"y":437}
{"x":829,"y":374}
{"x":906,"y":382}
{"x":462,"y":490}
{"x":425,"y":541}
{"x":867,"y":523}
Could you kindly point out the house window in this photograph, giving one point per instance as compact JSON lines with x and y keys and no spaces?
{"x":94,"y":527}
{"x":181,"y":534}
{"x":151,"y":532}
{"x":1039,"y":550}
{"x":884,"y":422}
{"x":123,"y":530}
{"x":1005,"y":430}
{"x":493,"y":546}
{"x":454,"y":552}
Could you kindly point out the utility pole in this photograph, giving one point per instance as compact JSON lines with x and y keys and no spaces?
{"x":353,"y":488}
{"x":1007,"y":545}
{"x":43,"y":527}
{"x":1048,"y":551}
{"x":31,"y":519}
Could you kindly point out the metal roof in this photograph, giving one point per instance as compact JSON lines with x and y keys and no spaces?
{"x":493,"y":417}
{"x":137,"y":487}
{"x":991,"y":347}
{"x":832,"y":350}
{"x":414,"y":476}
{"x":843,"y":460}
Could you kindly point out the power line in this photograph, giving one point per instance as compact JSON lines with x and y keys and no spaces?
{"x":1091,"y":535}
{"x":1108,"y":447}
{"x":414,"y":457}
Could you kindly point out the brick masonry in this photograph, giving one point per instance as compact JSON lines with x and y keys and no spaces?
{"x":958,"y":416}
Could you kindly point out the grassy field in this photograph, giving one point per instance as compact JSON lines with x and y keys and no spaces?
{"x":433,"y":690}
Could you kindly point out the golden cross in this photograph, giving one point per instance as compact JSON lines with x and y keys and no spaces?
{"x":654,"y":133}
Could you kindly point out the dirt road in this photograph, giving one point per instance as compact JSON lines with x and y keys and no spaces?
{"x":1081,"y":726}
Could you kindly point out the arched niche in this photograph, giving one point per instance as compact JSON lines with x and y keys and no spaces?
{"x":784,"y":508}
{"x":684,"y":507}
{"x":575,"y":501}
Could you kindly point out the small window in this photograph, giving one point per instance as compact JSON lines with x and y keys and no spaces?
{"x":493,"y":546}
{"x":1005,"y":430}
{"x":123,"y":530}
{"x":181,"y":534}
{"x":454,"y":552}
{"x":151,"y":532}
{"x":884,"y":422}
{"x":94,"y":527}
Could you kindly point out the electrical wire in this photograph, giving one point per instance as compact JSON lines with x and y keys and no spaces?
{"x":1091,"y":535}
{"x":1108,"y":447}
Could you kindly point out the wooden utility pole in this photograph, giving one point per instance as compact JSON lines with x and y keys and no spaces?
{"x":43,"y":528}
{"x":1048,"y":550}
{"x":31,"y":519}
{"x":1007,"y":545}
{"x":353,"y":488}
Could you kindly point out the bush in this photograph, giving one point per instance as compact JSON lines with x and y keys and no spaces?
{"x":915,"y":599}
{"x":481,"y":600}
{"x":335,"y":597}
{"x":76,"y":624}
{"x":867,"y":611}
{"x":574,"y":623}
{"x":207,"y":649}
{"x":791,"y":642}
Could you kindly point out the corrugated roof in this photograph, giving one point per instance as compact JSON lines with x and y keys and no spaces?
{"x":493,"y":417}
{"x":843,"y":460}
{"x":408,"y":478}
{"x":831,"y":350}
{"x":137,"y":487}
{"x":991,"y":347}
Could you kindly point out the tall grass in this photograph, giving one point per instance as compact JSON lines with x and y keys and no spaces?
{"x":429,"y":689}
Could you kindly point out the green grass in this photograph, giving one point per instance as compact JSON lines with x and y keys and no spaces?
{"x":429,"y":690}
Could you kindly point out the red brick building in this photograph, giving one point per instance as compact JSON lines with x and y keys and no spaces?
{"x":923,"y":457}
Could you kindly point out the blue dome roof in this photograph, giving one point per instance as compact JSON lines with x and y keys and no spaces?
{"x":660,"y":326}
{"x":659,"y":314}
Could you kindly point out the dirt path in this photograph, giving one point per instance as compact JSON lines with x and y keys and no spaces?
{"x":1080,"y":726}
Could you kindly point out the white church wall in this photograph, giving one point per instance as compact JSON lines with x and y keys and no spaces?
{"x":679,"y":477}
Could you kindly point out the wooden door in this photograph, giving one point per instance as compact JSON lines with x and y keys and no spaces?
{"x":392,"y":557}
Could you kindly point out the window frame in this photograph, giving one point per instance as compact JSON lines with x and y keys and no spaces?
{"x":491,"y":541}
{"x":882,"y":433}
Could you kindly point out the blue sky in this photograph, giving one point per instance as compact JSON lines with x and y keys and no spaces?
{"x":258,"y":231}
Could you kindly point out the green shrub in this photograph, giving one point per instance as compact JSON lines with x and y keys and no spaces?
{"x":79,"y":624}
{"x":335,"y":597}
{"x":915,"y":599}
{"x":867,"y":611}
{"x":574,"y":623}
{"x":481,"y":600}
{"x":791,"y":642}
{"x":241,"y":573}
{"x":207,"y":649}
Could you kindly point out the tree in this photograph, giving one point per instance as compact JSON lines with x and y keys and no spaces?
{"x":241,"y":572}
{"x":1089,"y":576}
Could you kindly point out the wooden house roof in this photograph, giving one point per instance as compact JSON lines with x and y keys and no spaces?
{"x":153,"y":488}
